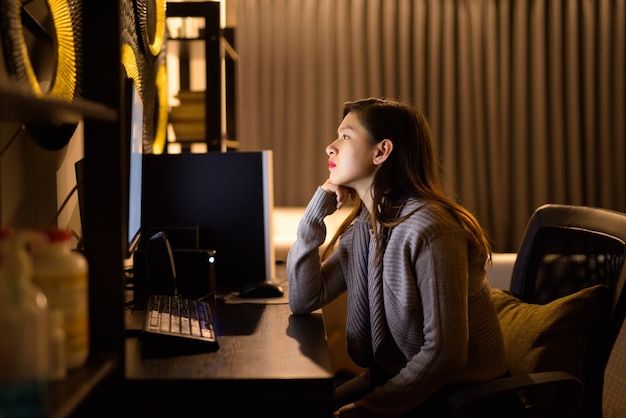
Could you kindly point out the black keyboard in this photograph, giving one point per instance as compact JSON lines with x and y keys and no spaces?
{"x":176,"y":324}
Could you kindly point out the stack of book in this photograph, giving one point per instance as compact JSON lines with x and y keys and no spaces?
{"x":188,"y":118}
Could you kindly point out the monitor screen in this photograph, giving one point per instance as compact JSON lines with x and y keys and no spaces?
{"x":135,"y":166}
{"x":228,"y":196}
{"x":131,"y":169}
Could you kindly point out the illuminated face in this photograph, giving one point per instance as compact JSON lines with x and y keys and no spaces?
{"x":351,"y":156}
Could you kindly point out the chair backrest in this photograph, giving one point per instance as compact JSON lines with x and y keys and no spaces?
{"x":568,"y":248}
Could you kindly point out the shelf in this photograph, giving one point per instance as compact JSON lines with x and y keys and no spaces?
{"x":69,"y":393}
{"x":209,"y":34}
{"x":18,"y":106}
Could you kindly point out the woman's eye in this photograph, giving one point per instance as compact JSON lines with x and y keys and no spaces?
{"x":345,"y":137}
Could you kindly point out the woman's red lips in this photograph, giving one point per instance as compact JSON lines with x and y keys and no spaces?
{"x":331,"y":164}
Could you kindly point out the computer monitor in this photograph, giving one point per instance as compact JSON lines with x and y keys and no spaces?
{"x":131,"y":169}
{"x":134,"y":129}
{"x":228,"y":196}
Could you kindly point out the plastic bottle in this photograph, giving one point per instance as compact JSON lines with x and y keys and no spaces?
{"x":24,"y":365}
{"x":62,"y":274}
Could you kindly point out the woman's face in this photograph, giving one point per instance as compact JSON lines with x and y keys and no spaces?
{"x":351,"y":156}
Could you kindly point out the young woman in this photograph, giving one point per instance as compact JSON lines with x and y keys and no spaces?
{"x":420,"y":317}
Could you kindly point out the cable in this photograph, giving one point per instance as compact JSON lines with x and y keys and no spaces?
{"x":65,"y":202}
{"x":13,"y":138}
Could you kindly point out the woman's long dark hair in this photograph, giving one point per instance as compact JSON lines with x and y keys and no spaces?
{"x":411,"y":171}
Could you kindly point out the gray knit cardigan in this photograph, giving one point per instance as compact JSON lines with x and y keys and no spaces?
{"x":424,"y":314}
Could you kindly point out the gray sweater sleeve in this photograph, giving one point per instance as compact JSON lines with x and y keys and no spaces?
{"x":311,"y":283}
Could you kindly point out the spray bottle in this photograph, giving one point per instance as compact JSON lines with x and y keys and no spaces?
{"x":24,"y":335}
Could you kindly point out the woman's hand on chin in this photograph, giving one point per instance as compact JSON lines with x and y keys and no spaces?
{"x":342,"y":193}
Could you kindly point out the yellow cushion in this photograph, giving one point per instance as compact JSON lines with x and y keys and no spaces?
{"x":549,"y":337}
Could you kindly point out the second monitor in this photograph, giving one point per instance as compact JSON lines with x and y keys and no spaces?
{"x":229,"y":196}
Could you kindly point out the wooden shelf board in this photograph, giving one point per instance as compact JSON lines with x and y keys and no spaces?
{"x":67,"y":395}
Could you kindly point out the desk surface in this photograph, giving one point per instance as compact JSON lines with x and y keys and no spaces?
{"x":269,"y":363}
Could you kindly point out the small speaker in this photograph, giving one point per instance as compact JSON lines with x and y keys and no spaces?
{"x":192,"y":273}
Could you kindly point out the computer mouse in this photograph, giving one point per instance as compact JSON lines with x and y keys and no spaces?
{"x":263,"y":289}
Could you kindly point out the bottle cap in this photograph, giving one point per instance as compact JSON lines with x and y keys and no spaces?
{"x":6,"y":232}
{"x":58,"y":235}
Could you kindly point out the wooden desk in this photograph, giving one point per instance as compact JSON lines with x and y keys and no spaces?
{"x":270,"y":364}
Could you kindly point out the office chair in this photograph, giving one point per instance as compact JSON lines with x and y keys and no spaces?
{"x":560,"y":318}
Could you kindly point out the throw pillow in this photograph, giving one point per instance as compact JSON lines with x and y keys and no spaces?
{"x":549,"y":337}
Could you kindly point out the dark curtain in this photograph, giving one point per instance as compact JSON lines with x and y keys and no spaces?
{"x":526,"y":98}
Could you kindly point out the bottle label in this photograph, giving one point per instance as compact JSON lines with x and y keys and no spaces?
{"x":68,"y":293}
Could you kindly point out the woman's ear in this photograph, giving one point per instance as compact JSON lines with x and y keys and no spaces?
{"x":383,"y":150}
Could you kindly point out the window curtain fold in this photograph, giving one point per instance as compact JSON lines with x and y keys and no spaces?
{"x":526,"y":99}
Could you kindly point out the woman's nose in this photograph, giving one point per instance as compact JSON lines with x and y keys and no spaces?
{"x":330,"y":149}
